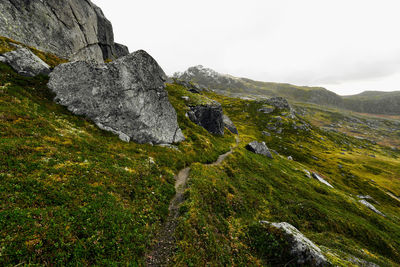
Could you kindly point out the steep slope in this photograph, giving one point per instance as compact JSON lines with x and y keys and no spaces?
{"x":219,"y":223}
{"x":73,"y":194}
{"x":374,"y":103}
{"x":71,"y":29}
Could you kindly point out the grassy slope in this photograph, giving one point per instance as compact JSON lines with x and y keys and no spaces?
{"x":71,"y":193}
{"x":219,"y":222}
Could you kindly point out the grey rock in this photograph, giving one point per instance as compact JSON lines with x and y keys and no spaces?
{"x":371,"y":207}
{"x":120,"y":50}
{"x":25,"y":63}
{"x":71,"y":29}
{"x":367,"y":197}
{"x":302,"y":248}
{"x":319,"y":178}
{"x":308,"y":173}
{"x":126,"y":97}
{"x":266,"y":133}
{"x":259,"y":148}
{"x":290,"y":158}
{"x":361,"y":262}
{"x":209,"y":116}
{"x":279,"y":103}
{"x":229,"y":124}
{"x":266,"y":110}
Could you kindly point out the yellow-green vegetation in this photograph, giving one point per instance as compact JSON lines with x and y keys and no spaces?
{"x":219,"y":224}
{"x":7,"y":45}
{"x":73,"y":194}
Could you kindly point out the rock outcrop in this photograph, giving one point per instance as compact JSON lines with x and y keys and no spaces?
{"x":71,"y":29}
{"x":229,"y":124}
{"x":209,"y":116}
{"x":371,"y":207}
{"x":190,"y":86}
{"x":319,"y":178}
{"x":279,"y":103}
{"x":303,"y":249}
{"x":25,"y":63}
{"x":259,"y":148}
{"x":126,"y":97}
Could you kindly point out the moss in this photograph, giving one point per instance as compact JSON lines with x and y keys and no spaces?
{"x":7,"y":45}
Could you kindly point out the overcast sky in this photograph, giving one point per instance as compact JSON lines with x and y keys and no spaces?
{"x":347,"y":46}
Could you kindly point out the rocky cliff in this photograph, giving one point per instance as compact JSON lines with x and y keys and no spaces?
{"x":72,"y":29}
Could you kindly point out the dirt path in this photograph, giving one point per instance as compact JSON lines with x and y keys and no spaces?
{"x":163,"y":250}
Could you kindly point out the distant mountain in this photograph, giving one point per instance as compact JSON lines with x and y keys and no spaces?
{"x":374,"y":102}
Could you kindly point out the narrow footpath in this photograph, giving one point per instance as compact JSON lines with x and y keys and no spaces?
{"x":163,"y":250}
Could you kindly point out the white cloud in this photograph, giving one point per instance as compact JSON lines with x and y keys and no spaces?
{"x":346,"y":45}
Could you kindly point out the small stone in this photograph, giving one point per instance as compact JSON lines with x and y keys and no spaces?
{"x":371,"y":207}
{"x":319,"y":178}
{"x":266,"y":133}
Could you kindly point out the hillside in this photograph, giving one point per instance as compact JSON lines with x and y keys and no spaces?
{"x":367,"y":102}
{"x":73,"y":194}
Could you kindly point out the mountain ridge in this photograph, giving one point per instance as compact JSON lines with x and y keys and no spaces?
{"x":365,"y":102}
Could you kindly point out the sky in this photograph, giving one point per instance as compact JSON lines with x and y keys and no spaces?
{"x":347,"y":46}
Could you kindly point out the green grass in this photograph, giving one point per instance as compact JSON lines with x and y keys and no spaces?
{"x":224,"y":203}
{"x":73,"y":194}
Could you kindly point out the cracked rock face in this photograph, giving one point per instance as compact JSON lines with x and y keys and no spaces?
{"x":25,"y":63}
{"x":305,"y":251}
{"x":126,"y":97}
{"x":72,"y":29}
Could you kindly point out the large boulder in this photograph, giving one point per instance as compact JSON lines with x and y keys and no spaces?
{"x":229,"y":124}
{"x":304,"y":251}
{"x":72,"y":29}
{"x":209,"y":116}
{"x":25,"y":63}
{"x":126,"y":97}
{"x":259,"y":148}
